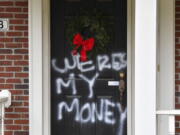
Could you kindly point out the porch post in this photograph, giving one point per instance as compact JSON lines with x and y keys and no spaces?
{"x":35,"y":71}
{"x":145,"y":67}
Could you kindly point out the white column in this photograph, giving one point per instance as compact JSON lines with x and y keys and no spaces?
{"x":145,"y":67}
{"x":36,"y":76}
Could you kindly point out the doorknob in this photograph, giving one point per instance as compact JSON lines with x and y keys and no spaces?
{"x":122,"y":85}
{"x":121,"y":75}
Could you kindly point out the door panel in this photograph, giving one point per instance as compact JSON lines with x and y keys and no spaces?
{"x":89,"y":97}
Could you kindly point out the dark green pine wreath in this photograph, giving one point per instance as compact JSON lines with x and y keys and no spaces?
{"x":93,"y":24}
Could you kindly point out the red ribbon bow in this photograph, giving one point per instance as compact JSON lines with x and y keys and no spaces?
{"x":87,"y":45}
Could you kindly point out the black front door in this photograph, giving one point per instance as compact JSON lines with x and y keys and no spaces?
{"x":88,"y":67}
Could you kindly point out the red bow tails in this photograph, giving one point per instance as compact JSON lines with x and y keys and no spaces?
{"x":87,"y":45}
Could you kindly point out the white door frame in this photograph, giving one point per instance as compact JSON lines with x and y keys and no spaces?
{"x":139,"y":113}
{"x":40,"y":66}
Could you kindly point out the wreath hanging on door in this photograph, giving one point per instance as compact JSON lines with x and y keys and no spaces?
{"x":88,"y":33}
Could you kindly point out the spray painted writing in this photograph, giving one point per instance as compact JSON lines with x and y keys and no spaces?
{"x":118,"y":62}
{"x":89,"y":112}
{"x":102,"y":112}
{"x":71,"y":82}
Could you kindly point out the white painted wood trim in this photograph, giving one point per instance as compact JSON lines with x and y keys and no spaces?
{"x":40,"y":66}
{"x":166,"y":121}
{"x":166,"y":55}
{"x":145,"y":67}
{"x":46,"y":69}
{"x":166,"y":63}
{"x":35,"y":71}
{"x":168,"y":112}
{"x":171,"y":125}
{"x":131,"y":67}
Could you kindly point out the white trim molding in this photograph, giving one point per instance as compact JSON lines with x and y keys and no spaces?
{"x":35,"y":62}
{"x":46,"y":69}
{"x":166,"y":63}
{"x":145,"y":66}
{"x":166,"y":55}
{"x":168,"y":119}
{"x":39,"y":41}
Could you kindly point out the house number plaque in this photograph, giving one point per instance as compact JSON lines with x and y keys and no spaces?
{"x":4,"y":24}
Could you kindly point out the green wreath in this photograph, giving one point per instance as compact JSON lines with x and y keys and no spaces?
{"x":94,"y":24}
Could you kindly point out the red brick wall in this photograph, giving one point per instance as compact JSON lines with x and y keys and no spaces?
{"x":14,"y":65}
